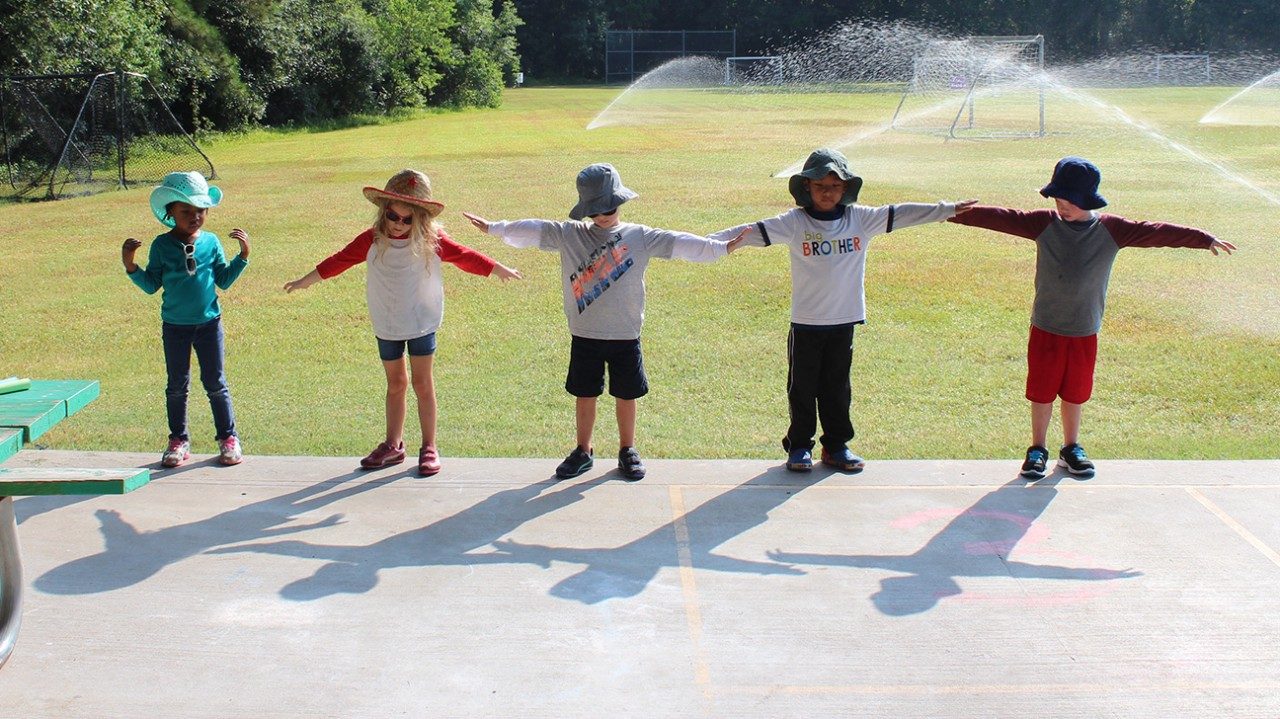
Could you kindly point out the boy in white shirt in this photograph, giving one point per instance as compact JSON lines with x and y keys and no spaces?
{"x":828,"y":236}
{"x":602,"y":264}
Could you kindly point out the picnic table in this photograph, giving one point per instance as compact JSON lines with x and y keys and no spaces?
{"x":28,"y":409}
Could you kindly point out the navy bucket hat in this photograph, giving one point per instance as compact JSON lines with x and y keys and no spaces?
{"x":821,"y":163}
{"x":1075,"y":180}
{"x":600,"y":190}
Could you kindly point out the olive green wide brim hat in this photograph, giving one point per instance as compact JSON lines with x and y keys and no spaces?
{"x":600,"y":190}
{"x":821,"y":163}
{"x":188,"y":187}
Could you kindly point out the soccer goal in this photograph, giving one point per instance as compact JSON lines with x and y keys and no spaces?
{"x":1182,"y":69}
{"x":750,"y":70}
{"x":976,"y":87}
{"x":82,"y":133}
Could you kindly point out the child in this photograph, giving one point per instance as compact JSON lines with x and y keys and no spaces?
{"x":187,"y":262}
{"x":404,"y":249}
{"x":602,"y":266}
{"x":828,"y":236}
{"x":1075,"y":248}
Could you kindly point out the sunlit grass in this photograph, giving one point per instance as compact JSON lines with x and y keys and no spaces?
{"x":1188,"y":356}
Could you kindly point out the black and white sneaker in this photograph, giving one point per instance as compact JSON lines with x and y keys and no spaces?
{"x":578,"y":461}
{"x":1033,"y":467}
{"x":629,"y":464}
{"x":1074,"y":459}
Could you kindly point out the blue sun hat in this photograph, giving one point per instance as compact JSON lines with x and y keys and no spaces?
{"x":821,"y":163}
{"x":1076,"y":180}
{"x":600,"y":190}
{"x":188,"y":187}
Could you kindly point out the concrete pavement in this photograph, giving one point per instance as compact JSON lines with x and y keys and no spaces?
{"x":301,"y":587}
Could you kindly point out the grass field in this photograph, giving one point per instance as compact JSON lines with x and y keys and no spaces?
{"x":1189,"y":351}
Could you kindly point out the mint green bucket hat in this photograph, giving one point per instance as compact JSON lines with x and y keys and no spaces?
{"x":821,"y":163}
{"x":188,"y":187}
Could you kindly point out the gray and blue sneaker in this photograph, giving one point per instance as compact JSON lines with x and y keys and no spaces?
{"x":1033,"y":467}
{"x":1074,"y":459}
{"x":578,"y":461}
{"x":843,"y":459}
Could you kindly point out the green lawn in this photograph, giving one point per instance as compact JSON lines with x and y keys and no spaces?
{"x":1188,"y":355}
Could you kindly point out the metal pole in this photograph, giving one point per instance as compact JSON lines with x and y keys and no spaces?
{"x":10,"y":580}
{"x":1040,"y":78}
{"x":120,"y":94}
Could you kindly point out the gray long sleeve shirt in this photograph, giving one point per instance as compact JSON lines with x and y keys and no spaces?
{"x":1074,"y":259}
{"x":602,"y":270}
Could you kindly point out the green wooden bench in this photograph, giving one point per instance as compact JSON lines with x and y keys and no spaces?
{"x":25,"y":414}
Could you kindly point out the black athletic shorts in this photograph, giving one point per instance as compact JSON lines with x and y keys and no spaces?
{"x":588,"y":359}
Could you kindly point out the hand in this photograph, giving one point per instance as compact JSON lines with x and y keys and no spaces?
{"x":1226,"y":247}
{"x":477,"y":222}
{"x":127,"y":252}
{"x":303,"y":282}
{"x":242,"y":237}
{"x":736,"y":242}
{"x":965,"y":205}
{"x":505,"y":273}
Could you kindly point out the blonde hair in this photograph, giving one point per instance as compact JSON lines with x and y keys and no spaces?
{"x":424,"y":232}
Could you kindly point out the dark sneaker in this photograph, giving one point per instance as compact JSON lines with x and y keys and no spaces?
{"x":800,"y":459}
{"x":1033,"y":467}
{"x":629,"y":464}
{"x":578,"y":461}
{"x":428,"y":461}
{"x":384,"y":455}
{"x":843,"y":459}
{"x":230,"y":452}
{"x":1074,"y":459}
{"x":178,"y":451}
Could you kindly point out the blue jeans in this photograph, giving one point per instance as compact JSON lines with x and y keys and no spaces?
{"x":206,"y":340}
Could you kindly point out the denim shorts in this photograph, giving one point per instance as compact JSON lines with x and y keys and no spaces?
{"x":392,"y":350}
{"x":588,"y":359}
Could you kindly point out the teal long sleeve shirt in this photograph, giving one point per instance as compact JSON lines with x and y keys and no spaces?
{"x":187,"y":299}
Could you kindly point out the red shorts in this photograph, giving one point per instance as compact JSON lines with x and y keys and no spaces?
{"x":1059,"y":366}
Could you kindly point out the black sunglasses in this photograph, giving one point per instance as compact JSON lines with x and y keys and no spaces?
{"x":610,"y":213}
{"x":190,"y":251}
{"x":393,"y":217}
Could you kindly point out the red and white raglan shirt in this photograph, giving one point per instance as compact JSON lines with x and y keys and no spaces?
{"x":1074,"y":259}
{"x":405,"y":290}
{"x":829,"y":256}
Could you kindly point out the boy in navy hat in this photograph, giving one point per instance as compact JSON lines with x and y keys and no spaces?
{"x":828,"y":235}
{"x":1075,"y":249}
{"x":602,"y":263}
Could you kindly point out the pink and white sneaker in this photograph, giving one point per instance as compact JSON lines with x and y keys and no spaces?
{"x":178,"y":451}
{"x":229,"y":452}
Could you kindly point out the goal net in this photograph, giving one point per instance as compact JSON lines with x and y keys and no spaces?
{"x":976,"y":87}
{"x":78,"y":134}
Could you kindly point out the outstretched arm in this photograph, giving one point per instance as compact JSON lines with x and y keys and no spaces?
{"x":1021,"y":223}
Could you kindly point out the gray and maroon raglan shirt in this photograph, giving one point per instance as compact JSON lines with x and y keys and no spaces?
{"x":1074,"y":259}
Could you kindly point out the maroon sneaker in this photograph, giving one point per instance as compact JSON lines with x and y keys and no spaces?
{"x":384,"y":455}
{"x":428,"y":461}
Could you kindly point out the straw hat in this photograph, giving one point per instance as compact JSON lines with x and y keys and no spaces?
{"x":410,"y":187}
{"x":188,"y":187}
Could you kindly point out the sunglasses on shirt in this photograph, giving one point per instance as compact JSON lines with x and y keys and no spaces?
{"x":189,"y":250}
{"x":394,"y":218}
{"x":610,"y":213}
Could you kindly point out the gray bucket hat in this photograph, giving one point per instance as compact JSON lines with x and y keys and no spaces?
{"x":822,"y":162}
{"x":600,"y":189}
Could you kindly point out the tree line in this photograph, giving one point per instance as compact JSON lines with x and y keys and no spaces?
{"x":231,"y":63}
{"x":564,"y":39}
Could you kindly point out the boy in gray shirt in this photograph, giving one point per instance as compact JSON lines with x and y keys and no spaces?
{"x":602,"y":266}
{"x":1075,"y":249}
